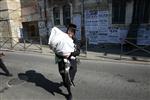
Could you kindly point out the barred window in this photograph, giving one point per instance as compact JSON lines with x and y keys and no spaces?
{"x":66,"y":15}
{"x":56,"y":15}
{"x":118,"y":11}
{"x":141,"y":11}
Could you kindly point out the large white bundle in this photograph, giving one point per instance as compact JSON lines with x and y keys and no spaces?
{"x":60,"y":42}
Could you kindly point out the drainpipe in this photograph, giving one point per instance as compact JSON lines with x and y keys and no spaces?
{"x":46,"y":22}
{"x":83,"y":37}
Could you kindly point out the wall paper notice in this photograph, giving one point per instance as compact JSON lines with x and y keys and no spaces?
{"x":77,"y":21}
{"x":114,"y":35}
{"x":143,"y":36}
{"x":96,"y":26}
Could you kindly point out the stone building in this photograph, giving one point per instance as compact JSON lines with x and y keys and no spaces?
{"x":99,"y":21}
{"x":39,"y":16}
{"x":112,"y":21}
{"x":30,"y":16}
{"x":10,"y":17}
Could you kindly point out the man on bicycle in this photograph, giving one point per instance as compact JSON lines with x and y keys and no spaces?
{"x":71,"y":29}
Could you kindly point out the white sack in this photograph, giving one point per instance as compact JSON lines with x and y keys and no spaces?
{"x":60,"y":42}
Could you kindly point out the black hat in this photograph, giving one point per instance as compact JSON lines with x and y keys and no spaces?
{"x":72,"y":26}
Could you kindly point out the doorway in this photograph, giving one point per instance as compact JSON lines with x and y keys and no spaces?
{"x":30,"y":30}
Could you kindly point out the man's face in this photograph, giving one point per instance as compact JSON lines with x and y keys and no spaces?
{"x":71,"y":33}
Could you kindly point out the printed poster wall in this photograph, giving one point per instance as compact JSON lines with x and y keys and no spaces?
{"x":99,"y":30}
{"x":77,"y":21}
{"x":42,"y":28}
{"x":96,"y":26}
{"x":143,"y":36}
{"x":117,"y":35}
{"x":114,"y":35}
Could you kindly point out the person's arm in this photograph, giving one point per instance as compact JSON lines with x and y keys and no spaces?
{"x":76,"y":52}
{"x":1,"y":54}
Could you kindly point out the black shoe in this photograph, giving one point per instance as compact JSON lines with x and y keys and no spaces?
{"x":9,"y":75}
{"x":69,"y":97}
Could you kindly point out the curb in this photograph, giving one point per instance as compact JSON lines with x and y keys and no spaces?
{"x":91,"y":56}
{"x":107,"y":59}
{"x":118,"y":60}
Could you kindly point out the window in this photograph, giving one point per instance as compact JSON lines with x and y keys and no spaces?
{"x":118,"y":11}
{"x":56,"y":15}
{"x":141,"y":11}
{"x":66,"y":14}
{"x":27,"y":3}
{"x":146,"y":11}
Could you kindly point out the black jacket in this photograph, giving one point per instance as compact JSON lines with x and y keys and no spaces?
{"x":75,"y":53}
{"x":77,"y":48}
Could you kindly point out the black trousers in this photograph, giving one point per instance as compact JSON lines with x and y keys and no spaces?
{"x":72,"y":70}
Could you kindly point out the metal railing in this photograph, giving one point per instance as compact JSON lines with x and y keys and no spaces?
{"x":24,"y":44}
{"x":130,"y":47}
{"x":119,"y":50}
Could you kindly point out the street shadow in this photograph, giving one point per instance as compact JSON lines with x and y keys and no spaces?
{"x":41,"y":81}
{"x":2,"y":74}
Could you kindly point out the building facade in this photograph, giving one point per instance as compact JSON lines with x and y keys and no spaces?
{"x":112,"y":21}
{"x":10,"y":17}
{"x":98,"y":21}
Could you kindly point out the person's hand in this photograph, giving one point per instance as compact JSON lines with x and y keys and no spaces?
{"x":2,"y":54}
{"x":66,"y":56}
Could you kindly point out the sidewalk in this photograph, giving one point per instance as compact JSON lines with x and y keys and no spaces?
{"x":107,"y":53}
{"x":105,"y":57}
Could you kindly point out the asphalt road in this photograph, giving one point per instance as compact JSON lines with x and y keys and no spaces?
{"x":35,"y":77}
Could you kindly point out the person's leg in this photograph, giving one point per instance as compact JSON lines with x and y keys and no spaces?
{"x":73,"y":69}
{"x":3,"y":67}
{"x":61,"y":68}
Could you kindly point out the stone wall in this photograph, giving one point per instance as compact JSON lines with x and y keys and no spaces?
{"x":10,"y":18}
{"x":4,"y":24}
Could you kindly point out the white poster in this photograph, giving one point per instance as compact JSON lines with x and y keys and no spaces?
{"x":93,"y":37}
{"x":91,"y":18}
{"x":123,"y":35}
{"x":97,"y":22}
{"x":42,"y":28}
{"x":103,"y":17}
{"x":91,"y":26}
{"x":102,"y":38}
{"x":103,"y":26}
{"x":143,"y":37}
{"x":114,"y":35}
{"x":77,"y":21}
{"x":98,"y":28}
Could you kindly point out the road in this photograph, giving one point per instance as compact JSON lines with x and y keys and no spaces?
{"x":35,"y":77}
